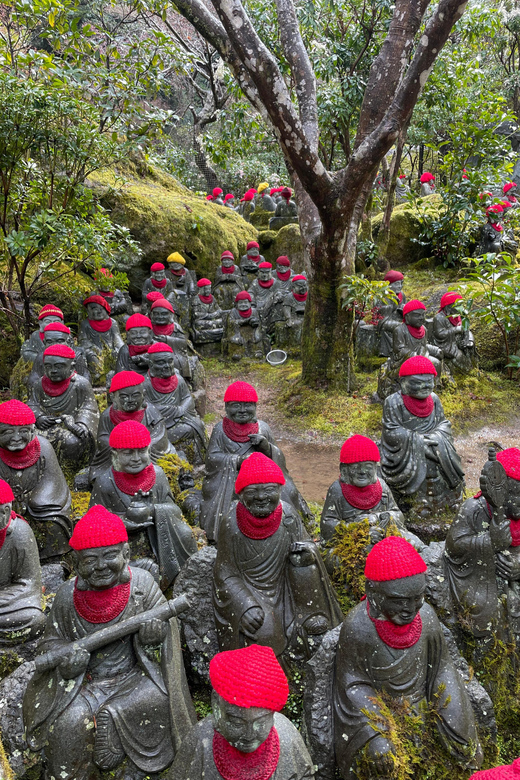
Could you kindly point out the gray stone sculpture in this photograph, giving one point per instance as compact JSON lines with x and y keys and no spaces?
{"x":34,"y":344}
{"x":207,"y":325}
{"x":58,"y":333}
{"x":243,"y":334}
{"x":288,"y":331}
{"x":249,"y":263}
{"x":228,"y":282}
{"x":457,"y":345}
{"x":286,"y":211}
{"x":99,"y":337}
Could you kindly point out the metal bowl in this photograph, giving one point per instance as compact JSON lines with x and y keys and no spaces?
{"x":276,"y":357}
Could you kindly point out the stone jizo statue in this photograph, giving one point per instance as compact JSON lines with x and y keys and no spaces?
{"x":491,"y":236}
{"x":284,"y":272}
{"x":246,"y":207}
{"x":166,"y":331}
{"x":266,"y":294}
{"x":109,"y":691}
{"x":133,"y":356}
{"x":180,"y":277}
{"x":207,"y":325}
{"x":245,"y":736}
{"x":249,"y":263}
{"x":228,"y":282}
{"x":427,"y":184}
{"x":99,"y":335}
{"x":34,"y":344}
{"x":218,"y":196}
{"x":120,"y":304}
{"x":289,"y":329}
{"x":229,"y":200}
{"x":391,"y":313}
{"x":401,"y":188}
{"x":458,"y":345}
{"x":508,"y":190}
{"x":243,"y":334}
{"x":58,"y":333}
{"x":286,"y":211}
{"x":157,"y":281}
{"x":393,"y":643}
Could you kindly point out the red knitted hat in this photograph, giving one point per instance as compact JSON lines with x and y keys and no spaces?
{"x":209,"y":197}
{"x":138,"y":321}
{"x":98,"y":528}
{"x":252,"y":245}
{"x":227,"y":253}
{"x":506,"y":204}
{"x":50,"y":310}
{"x":159,"y":346}
{"x":57,"y":326}
{"x":359,"y":449}
{"x":503,"y":772}
{"x":298,"y":277}
{"x":217,"y":191}
{"x":283,"y":260}
{"x":162,"y":303}
{"x":155,"y":295}
{"x":60,"y":350}
{"x":97,"y":299}
{"x":449,"y":298}
{"x":6,"y":494}
{"x":256,"y":470}
{"x":393,"y":276}
{"x":412,"y":306}
{"x":286,"y":193}
{"x":250,"y":677}
{"x":203,"y":282}
{"x":241,"y":391}
{"x":242,"y":296}
{"x":392,"y":559}
{"x":228,"y":197}
{"x":510,"y":460}
{"x":129,"y":435}
{"x":125,"y":379}
{"x":495,"y":208}
{"x":157,"y":267}
{"x":15,"y":412}
{"x":508,"y":186}
{"x":417,"y":365}
{"x":248,"y":196}
{"x":265,"y":265}
{"x":427,"y":176}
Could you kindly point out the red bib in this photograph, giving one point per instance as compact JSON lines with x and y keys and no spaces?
{"x":100,"y":326}
{"x":230,"y":270}
{"x":362,"y":497}
{"x":138,"y":349}
{"x":456,"y":321}
{"x":245,"y":314}
{"x":398,"y":637}
{"x":235,"y":765}
{"x":258,"y":527}
{"x":206,"y":298}
{"x":131,"y":483}
{"x":101,"y":606}
{"x":267,"y":284}
{"x":300,"y":297}
{"x":239,"y":432}
{"x":23,"y":459}
{"x":119,"y":417}
{"x":164,"y":385}
{"x":159,"y":284}
{"x":163,"y":330}
{"x":284,"y":276}
{"x":55,"y":388}
{"x":419,"y":407}
{"x":417,"y":333}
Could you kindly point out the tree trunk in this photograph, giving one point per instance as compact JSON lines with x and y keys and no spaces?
{"x":201,"y":160}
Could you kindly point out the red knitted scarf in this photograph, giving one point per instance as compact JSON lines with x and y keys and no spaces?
{"x":41,"y":336}
{"x":163,"y":330}
{"x":180,"y":272}
{"x":100,"y":326}
{"x":23,"y":459}
{"x":239,"y":432}
{"x":268,"y":283}
{"x":362,"y":497}
{"x":400,"y":297}
{"x":514,"y":525}
{"x":455,"y":321}
{"x":55,"y":388}
{"x":398,"y":637}
{"x":258,"y":527}
{"x":3,"y":531}
{"x":419,"y":407}
{"x":232,"y":764}
{"x":164,"y":384}
{"x":101,"y":606}
{"x":138,"y":349}
{"x":284,"y":276}
{"x":118,"y":417}
{"x":159,"y":283}
{"x":131,"y":483}
{"x":230,"y":270}
{"x":417,"y":333}
{"x":107,"y":294}
{"x":498,"y":227}
{"x":245,"y":314}
{"x":206,"y":298}
{"x":301,"y":297}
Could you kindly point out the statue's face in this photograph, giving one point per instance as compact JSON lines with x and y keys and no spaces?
{"x":158,"y":275}
{"x":97,"y":312}
{"x":16,"y":437}
{"x":55,"y":337}
{"x":398,"y":601}
{"x":57,"y":368}
{"x":241,"y":411}
{"x":139,"y":336}
{"x":131,"y":461}
{"x":261,"y":499}
{"x":128,"y":399}
{"x":176,"y":266}
{"x":243,"y":305}
{"x":102,"y":567}
{"x":161,"y":316}
{"x":418,"y":386}
{"x":5,"y":514}
{"x":227,"y":262}
{"x":359,"y":474}
{"x":253,"y":253}
{"x":264,"y":274}
{"x":205,"y":290}
{"x":450,"y":310}
{"x":300,"y":286}
{"x":282,"y":268}
{"x":397,"y":286}
{"x":47,"y":321}
{"x":245,"y":728}
{"x":162,"y":364}
{"x":415,"y":318}
{"x":513,"y":499}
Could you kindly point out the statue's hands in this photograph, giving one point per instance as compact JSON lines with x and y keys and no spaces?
{"x":78,"y":429}
{"x":252,"y":620}
{"x":260,"y":443}
{"x":45,"y":422}
{"x":159,"y":338}
{"x":380,"y":752}
{"x":152,"y":632}
{"x":507,"y":566}
{"x":493,"y":484}
{"x":431,"y":449}
{"x":74,"y":664}
{"x":139,"y":510}
{"x":376,"y":534}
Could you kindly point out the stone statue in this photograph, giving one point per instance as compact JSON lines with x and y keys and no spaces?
{"x":229,"y":200}
{"x":401,"y":189}
{"x":249,"y":263}
{"x":483,"y":550}
{"x":246,"y":736}
{"x":284,"y":273}
{"x":166,"y":331}
{"x":491,"y":238}
{"x":286,"y":211}
{"x":266,"y":294}
{"x":391,"y":313}
{"x":58,"y":333}
{"x":457,"y":345}
{"x":218,"y":196}
{"x":119,"y":302}
{"x":231,"y":442}
{"x":180,"y":277}
{"x":29,"y":465}
{"x":246,"y":207}
{"x":21,"y":614}
{"x":418,"y":457}
{"x":109,"y":685}
{"x":127,"y":403}
{"x":228,"y":282}
{"x":393,"y":643}
{"x":206,"y":320}
{"x":265,"y":201}
{"x":139,"y":493}
{"x":289,"y":330}
{"x":65,"y":408}
{"x":270,"y":585}
{"x":99,"y":336}
{"x":427,"y":184}
{"x":34,"y":344}
{"x":166,"y":390}
{"x":243,"y":334}
{"x":157,"y":282}
{"x":507,"y":190}
{"x":133,"y":356}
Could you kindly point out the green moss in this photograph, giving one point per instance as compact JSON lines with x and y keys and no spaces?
{"x":479,"y":398}
{"x":9,"y":662}
{"x":18,"y":380}
{"x":349,"y":551}
{"x":404,"y":226}
{"x":6,"y":773}
{"x":80,"y":502}
{"x":286,"y":241}
{"x":172,"y":466}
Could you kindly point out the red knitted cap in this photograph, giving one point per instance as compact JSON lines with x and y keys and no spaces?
{"x":50,"y":310}
{"x":510,"y":460}
{"x":130,"y":435}
{"x":359,"y":449}
{"x":155,"y":295}
{"x":15,"y":412}
{"x":506,"y":204}
{"x":265,"y":265}
{"x":256,"y":470}
{"x":286,"y":192}
{"x":159,"y":346}
{"x":209,"y":197}
{"x":504,"y":772}
{"x":427,"y":176}
{"x":393,"y":276}
{"x":203,"y":282}
{"x":495,"y":208}
{"x":250,"y":677}
{"x":392,"y":559}
{"x":57,"y":326}
{"x":241,"y":391}
{"x":60,"y":350}
{"x":6,"y":494}
{"x":157,"y":267}
{"x":228,"y":197}
{"x":417,"y":365}
{"x":98,"y":528}
{"x":298,"y":277}
{"x":97,"y":299}
{"x":449,"y":298}
{"x":242,"y":296}
{"x":217,"y":191}
{"x":283,"y":260}
{"x":508,"y":186}
{"x":162,"y":303}
{"x":125,"y":379}
{"x":227,"y":253}
{"x":138,"y":321}
{"x":412,"y":306}
{"x":253,"y":245}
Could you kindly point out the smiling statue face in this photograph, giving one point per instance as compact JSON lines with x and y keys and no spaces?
{"x":261,"y":499}
{"x":128,"y":399}
{"x":103,"y":567}
{"x":418,"y":386}
{"x":243,"y":305}
{"x":227,"y":262}
{"x":16,"y":437}
{"x":245,"y":728}
{"x":241,"y":411}
{"x":161,"y":316}
{"x":139,"y":336}
{"x":42,"y":324}
{"x":282,"y":268}
{"x":253,"y":253}
{"x":397,"y":286}
{"x":359,"y":474}
{"x":205,"y":290}
{"x":415,"y":318}
{"x":264,"y":274}
{"x":56,"y":337}
{"x":96,"y":312}
{"x":300,"y":286}
{"x":57,"y":368}
{"x":162,"y":364}
{"x":131,"y":461}
{"x":158,"y":275}
{"x":398,"y":601}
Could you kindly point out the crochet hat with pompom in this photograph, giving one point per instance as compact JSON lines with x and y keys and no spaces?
{"x":98,"y":528}
{"x":392,"y":559}
{"x":250,"y":677}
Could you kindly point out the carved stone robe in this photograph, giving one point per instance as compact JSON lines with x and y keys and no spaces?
{"x":20,"y":583}
{"x":404,"y":346}
{"x":226,"y":287}
{"x":455,"y":343}
{"x":94,"y":343}
{"x":32,"y":347}
{"x":138,"y":363}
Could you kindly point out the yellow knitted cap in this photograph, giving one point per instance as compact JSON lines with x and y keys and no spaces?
{"x":263,"y":186}
{"x":175,"y":257}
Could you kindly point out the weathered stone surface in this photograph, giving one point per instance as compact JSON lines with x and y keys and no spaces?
{"x":286,"y":241}
{"x":12,"y":690}
{"x":404,"y":226}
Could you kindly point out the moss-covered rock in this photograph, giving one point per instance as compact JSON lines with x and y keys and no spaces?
{"x":163,"y":216}
{"x":286,"y":241}
{"x":404,"y":226}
